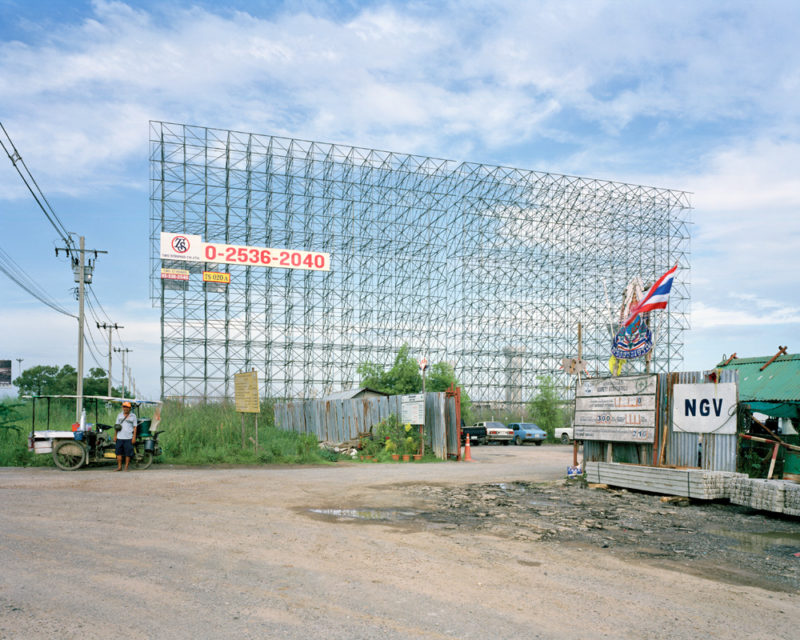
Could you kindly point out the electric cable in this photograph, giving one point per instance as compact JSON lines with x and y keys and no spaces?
{"x":27,"y":178}
{"x":24,"y":281}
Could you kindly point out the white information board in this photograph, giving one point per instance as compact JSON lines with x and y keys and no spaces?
{"x":413,"y":409}
{"x":704,"y":407}
{"x":616,"y":409}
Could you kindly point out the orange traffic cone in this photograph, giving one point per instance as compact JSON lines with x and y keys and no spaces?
{"x":467,"y":453}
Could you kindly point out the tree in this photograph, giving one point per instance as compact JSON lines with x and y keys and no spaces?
{"x":39,"y":380}
{"x":50,"y":380}
{"x":545,"y":407}
{"x":441,"y":377}
{"x":404,"y":378}
{"x":97,"y":382}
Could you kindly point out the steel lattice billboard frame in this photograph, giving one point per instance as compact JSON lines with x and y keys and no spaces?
{"x":487,"y":267}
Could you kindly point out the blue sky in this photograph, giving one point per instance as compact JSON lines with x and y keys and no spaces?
{"x":698,"y":96}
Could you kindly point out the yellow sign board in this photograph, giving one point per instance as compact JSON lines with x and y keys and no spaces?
{"x":245,"y":388}
{"x":216,"y":276}
{"x":174,"y":274}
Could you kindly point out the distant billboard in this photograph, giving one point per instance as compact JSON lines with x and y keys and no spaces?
{"x":5,"y":373}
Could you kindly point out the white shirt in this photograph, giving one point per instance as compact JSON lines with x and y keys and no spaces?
{"x":128,"y":423}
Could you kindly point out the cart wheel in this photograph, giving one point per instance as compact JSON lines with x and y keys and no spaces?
{"x":69,"y":455}
{"x":141,"y":459}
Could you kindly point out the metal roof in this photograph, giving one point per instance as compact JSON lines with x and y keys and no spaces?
{"x":779,"y":382}
{"x":349,"y":394}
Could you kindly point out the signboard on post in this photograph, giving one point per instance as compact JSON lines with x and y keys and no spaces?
{"x":413,"y":409}
{"x":704,"y":408}
{"x":616,"y":409}
{"x":245,"y":386}
{"x":5,"y":373}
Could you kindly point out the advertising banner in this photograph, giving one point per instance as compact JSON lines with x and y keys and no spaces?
{"x":191,"y":248}
{"x":174,"y":274}
{"x":181,"y":246}
{"x":216,"y":276}
{"x":5,"y":373}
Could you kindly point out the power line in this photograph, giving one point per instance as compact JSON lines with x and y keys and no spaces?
{"x":24,"y":281}
{"x":108,"y":318}
{"x":95,"y":354}
{"x":36,"y":192}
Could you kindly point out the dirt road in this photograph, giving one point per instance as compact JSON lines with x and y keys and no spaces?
{"x":373,"y":551}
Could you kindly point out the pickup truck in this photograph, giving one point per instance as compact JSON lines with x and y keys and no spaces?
{"x":476,"y":435}
{"x":497,"y":432}
{"x":564,"y":434}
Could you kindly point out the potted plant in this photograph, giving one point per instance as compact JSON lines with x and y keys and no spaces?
{"x":411,"y":442}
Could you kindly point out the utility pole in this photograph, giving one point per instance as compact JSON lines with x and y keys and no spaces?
{"x":123,"y":352}
{"x":83,"y":276}
{"x":109,"y":327}
{"x":19,"y":362}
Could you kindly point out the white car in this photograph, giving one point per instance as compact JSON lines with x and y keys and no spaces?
{"x":497,"y":432}
{"x":564,"y":434}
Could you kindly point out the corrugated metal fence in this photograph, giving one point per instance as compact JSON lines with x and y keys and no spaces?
{"x":341,"y":420}
{"x":714,"y":452}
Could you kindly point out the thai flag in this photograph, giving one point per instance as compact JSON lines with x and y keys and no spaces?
{"x":656,"y":297}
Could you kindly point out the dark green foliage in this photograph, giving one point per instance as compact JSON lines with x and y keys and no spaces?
{"x":50,"y":380}
{"x":546,"y":408}
{"x":404,"y":378}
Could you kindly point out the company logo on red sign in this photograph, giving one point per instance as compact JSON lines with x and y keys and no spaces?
{"x":180,"y":244}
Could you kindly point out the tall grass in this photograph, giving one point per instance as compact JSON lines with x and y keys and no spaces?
{"x":191,"y":435}
{"x":212,"y":433}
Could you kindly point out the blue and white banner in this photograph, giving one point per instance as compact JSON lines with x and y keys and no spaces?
{"x":632,"y":341}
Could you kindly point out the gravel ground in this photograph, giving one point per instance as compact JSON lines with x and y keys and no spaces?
{"x":502,"y":548}
{"x":716,"y":540}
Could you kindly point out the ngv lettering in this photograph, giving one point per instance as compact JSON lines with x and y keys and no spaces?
{"x":690,"y":407}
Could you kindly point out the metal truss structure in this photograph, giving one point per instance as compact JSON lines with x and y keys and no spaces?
{"x":488,"y":268}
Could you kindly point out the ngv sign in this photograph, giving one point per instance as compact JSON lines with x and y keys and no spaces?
{"x":704,"y":408}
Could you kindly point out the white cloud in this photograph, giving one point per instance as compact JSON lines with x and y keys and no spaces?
{"x":755,"y":315}
{"x":608,"y":89}
{"x":406,"y":76}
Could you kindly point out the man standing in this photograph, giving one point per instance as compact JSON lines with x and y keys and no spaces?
{"x":125,"y":436}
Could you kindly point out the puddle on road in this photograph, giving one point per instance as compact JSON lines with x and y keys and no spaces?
{"x":759,"y":542}
{"x":374,"y":515}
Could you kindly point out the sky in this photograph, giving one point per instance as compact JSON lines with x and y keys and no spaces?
{"x":700,"y":96}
